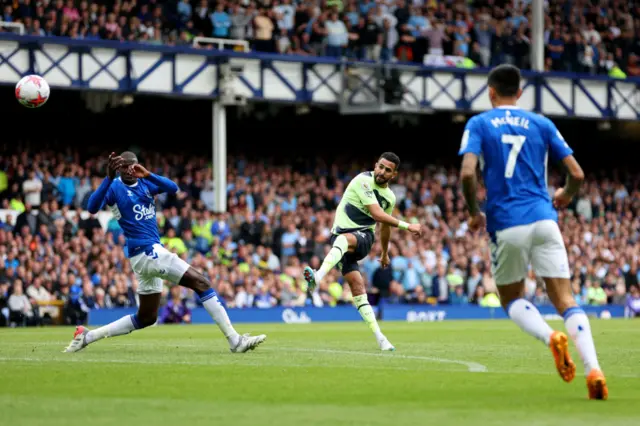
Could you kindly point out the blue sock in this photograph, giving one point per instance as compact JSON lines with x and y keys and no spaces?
{"x":206,"y":295}
{"x":135,"y":321}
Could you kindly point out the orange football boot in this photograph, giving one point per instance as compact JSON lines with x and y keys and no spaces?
{"x":597,"y":385}
{"x":559,"y":345}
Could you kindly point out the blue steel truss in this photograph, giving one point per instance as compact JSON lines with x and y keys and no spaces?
{"x":189,"y":72}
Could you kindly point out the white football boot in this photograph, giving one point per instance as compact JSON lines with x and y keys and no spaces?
{"x":248,"y":343}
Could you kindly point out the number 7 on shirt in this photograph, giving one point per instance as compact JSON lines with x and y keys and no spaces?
{"x":516,"y":142}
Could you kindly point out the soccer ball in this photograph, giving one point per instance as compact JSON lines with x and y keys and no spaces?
{"x":32,"y":91}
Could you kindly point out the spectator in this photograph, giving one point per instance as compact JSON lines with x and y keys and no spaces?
{"x":337,"y":37}
{"x":221,"y":22}
{"x":263,"y":29}
{"x":21,"y":311}
{"x":176,"y":310}
{"x":632,"y":307}
{"x":32,"y":190}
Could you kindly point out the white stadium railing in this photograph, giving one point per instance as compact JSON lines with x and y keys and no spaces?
{"x":13,"y":25}
{"x":221,"y":42}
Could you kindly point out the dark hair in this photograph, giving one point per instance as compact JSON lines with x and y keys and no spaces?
{"x":505,"y":80}
{"x":390,"y":156}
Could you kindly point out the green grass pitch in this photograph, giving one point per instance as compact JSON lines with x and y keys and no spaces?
{"x":449,"y":373}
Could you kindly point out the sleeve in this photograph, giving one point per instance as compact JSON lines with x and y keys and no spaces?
{"x":363,"y":190}
{"x":472,"y":138}
{"x":161,"y":184}
{"x":557,"y":145}
{"x":100,"y":196}
{"x":110,"y":198}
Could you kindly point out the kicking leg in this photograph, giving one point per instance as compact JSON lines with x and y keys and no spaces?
{"x":342,"y":244}
{"x":361,"y":302}
{"x":579,"y":329}
{"x":147,"y":315}
{"x":197,"y":282}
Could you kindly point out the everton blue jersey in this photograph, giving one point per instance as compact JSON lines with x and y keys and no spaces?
{"x":513,"y":147}
{"x":134,"y":207}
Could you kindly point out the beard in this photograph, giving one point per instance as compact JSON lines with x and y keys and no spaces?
{"x":380,"y":180}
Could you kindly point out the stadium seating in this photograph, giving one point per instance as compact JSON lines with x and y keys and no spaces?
{"x":580,"y":37}
{"x":277,"y":222}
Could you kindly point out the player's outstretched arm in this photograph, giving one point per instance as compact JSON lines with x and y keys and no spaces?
{"x":96,"y":200}
{"x":380,"y":216}
{"x":163,"y":184}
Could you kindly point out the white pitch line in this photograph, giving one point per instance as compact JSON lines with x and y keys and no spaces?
{"x":213,"y":362}
{"x":473,"y":367}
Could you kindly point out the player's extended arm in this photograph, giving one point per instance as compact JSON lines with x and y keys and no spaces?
{"x":469,"y":180}
{"x":575,"y":176}
{"x":163,"y":184}
{"x":385,"y":236}
{"x":380,"y":216}
{"x":96,"y":200}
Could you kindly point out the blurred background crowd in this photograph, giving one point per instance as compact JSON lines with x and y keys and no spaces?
{"x":279,"y":220}
{"x":591,"y":36}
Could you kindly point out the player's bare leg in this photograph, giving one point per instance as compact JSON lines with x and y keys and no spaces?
{"x":361,"y":302}
{"x":146,"y":316}
{"x":342,"y":245}
{"x":197,"y":282}
{"x":528,"y":318}
{"x":579,"y":329}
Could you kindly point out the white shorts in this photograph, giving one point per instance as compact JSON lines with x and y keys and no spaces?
{"x":153,"y":268}
{"x":539,"y":244}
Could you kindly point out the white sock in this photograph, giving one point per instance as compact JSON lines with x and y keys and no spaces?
{"x":579,"y":329}
{"x":337,"y":252}
{"x":212,"y":304}
{"x":529,"y":320}
{"x":366,"y":312}
{"x":124,"y":325}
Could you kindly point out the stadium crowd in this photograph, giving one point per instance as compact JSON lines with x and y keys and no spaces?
{"x":279,"y":220}
{"x":596,"y":37}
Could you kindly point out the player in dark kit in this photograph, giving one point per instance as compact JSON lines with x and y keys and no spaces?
{"x":131,"y":200}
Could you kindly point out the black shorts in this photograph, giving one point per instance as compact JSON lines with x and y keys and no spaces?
{"x":349,"y":262}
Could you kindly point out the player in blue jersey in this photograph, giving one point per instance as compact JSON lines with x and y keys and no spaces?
{"x":131,"y":199}
{"x":512,"y":147}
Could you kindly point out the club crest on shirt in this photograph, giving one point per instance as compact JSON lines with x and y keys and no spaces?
{"x":384,"y":203}
{"x":147,"y":193}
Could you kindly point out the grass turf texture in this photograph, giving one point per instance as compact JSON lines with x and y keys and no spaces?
{"x":448,"y":373}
